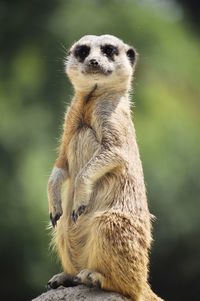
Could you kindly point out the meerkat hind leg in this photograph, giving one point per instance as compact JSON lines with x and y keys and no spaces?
{"x":63,"y":279}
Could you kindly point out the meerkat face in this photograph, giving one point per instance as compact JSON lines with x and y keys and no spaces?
{"x":100,"y":60}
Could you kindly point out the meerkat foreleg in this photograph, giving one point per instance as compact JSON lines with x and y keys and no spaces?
{"x":103,"y":162}
{"x":57,"y":177}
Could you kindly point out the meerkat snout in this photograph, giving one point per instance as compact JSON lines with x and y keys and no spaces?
{"x":95,"y":66}
{"x":93,"y":63}
{"x":103,"y":60}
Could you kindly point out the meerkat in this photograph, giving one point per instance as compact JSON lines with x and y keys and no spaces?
{"x":97,"y":198}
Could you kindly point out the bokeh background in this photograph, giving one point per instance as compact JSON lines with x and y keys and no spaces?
{"x":34,"y":91}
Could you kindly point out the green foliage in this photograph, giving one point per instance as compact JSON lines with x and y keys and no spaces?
{"x":33,"y":97}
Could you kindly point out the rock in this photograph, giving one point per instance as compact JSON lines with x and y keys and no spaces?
{"x":79,"y":293}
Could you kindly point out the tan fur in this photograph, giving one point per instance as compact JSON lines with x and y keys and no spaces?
{"x":110,"y":241}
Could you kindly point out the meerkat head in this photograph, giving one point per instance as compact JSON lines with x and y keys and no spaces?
{"x":103,"y":61}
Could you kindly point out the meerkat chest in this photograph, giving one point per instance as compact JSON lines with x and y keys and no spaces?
{"x":82,"y":147}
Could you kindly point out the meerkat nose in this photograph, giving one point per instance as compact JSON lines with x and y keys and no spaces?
{"x":93,"y":62}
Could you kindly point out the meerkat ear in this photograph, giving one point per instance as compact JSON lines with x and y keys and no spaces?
{"x":132,"y":55}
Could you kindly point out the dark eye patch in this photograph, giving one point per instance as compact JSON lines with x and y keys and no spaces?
{"x":109,"y":50}
{"x":81,"y":52}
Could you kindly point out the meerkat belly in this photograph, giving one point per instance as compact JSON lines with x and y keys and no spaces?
{"x":82,"y":147}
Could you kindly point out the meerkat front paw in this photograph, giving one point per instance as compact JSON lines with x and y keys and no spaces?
{"x":76,"y":213}
{"x":55,"y":215}
{"x":57,"y":177}
{"x":82,"y":194}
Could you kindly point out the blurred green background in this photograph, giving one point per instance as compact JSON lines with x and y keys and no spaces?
{"x":34,"y":91}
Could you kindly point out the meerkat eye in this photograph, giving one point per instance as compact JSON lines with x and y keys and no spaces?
{"x":81,"y":52}
{"x":109,"y":50}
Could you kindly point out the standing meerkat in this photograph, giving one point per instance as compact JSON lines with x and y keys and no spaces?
{"x":102,"y":225}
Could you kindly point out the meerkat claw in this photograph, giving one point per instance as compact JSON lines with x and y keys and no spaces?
{"x":55,"y":218}
{"x":74,"y":216}
{"x":76,"y":213}
{"x":81,"y":209}
{"x":62,"y":279}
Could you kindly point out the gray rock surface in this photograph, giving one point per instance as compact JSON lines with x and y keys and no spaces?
{"x":80,"y":293}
